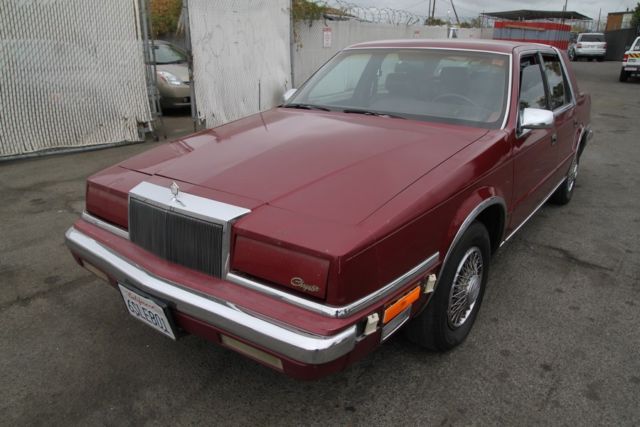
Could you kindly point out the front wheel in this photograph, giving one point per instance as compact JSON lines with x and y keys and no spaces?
{"x":446,"y":322}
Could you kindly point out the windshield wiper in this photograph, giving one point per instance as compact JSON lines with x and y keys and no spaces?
{"x":306,"y":107}
{"x":371,"y":113}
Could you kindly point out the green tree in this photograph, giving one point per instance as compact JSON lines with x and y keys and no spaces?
{"x":435,"y":21}
{"x":305,"y":10}
{"x":635,"y":19}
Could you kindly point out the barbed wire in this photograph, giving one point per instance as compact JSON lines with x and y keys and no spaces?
{"x":384,"y":15}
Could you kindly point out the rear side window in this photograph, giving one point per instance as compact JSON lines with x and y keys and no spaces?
{"x":559,"y":93}
{"x":592,"y":38}
{"x":532,"y":93}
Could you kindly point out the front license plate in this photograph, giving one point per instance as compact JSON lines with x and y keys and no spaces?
{"x":148,"y":311}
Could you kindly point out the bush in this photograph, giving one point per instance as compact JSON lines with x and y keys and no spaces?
{"x":164,"y":16}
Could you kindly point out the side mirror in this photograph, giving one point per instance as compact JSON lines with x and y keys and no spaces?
{"x":288,"y":94}
{"x":536,"y":118}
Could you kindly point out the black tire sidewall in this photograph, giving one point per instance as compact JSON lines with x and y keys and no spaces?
{"x":444,"y":337}
{"x":563,"y":194}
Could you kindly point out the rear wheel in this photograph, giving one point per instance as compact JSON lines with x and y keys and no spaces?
{"x":446,"y":322}
{"x":563,"y":194}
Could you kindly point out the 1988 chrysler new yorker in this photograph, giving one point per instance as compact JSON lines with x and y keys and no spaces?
{"x":372,"y":199}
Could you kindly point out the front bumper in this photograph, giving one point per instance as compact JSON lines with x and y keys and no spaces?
{"x":175,"y":96}
{"x":274,"y":337}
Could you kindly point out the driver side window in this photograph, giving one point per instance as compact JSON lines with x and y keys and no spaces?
{"x":532,"y":88}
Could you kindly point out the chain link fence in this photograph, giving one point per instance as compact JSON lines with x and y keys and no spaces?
{"x":73,"y":75}
{"x":241,"y":56}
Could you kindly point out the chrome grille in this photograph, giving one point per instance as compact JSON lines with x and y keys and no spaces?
{"x":185,"y":240}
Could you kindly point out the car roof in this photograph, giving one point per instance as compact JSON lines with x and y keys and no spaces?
{"x":498,"y":46}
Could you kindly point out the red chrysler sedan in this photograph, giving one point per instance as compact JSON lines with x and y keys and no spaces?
{"x":372,"y":200}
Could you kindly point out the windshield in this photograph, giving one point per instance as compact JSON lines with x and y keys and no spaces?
{"x":449,"y":86}
{"x":167,"y":54}
{"x":592,"y":38}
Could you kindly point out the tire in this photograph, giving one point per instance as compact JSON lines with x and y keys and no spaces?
{"x":600,"y":59}
{"x":563,"y":194}
{"x":438,"y":329}
{"x":624,"y":76}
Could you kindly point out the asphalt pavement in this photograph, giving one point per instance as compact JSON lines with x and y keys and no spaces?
{"x":557,"y":340}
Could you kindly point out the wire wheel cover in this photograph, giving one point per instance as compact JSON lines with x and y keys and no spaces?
{"x":466,"y":287}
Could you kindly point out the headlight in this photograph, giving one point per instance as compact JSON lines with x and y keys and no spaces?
{"x":169,"y":78}
{"x":292,"y":269}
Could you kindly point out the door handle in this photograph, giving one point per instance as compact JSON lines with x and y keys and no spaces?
{"x":554,"y":139}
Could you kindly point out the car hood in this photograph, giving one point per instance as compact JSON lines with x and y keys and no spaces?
{"x":333,"y":166}
{"x":181,"y":71}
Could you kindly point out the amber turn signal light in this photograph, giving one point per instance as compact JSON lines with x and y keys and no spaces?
{"x":399,"y":306}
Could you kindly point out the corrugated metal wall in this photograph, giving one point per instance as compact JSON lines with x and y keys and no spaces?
{"x":241,"y":56}
{"x":72,"y":74}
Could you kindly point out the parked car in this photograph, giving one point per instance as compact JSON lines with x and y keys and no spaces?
{"x":172,"y":70}
{"x":375,"y":197}
{"x":631,"y":61}
{"x":588,"y":45}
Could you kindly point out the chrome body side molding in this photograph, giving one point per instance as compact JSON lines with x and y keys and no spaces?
{"x":547,"y":197}
{"x":343,"y":311}
{"x":121,"y":232}
{"x":494,"y":200}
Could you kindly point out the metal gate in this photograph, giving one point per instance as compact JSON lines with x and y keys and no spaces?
{"x":241,"y":56}
{"x":73,"y":75}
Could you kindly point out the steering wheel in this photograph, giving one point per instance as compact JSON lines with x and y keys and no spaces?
{"x":455,"y":96}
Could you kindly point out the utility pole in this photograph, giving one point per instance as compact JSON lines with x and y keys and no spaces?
{"x":433,"y":10}
{"x":598,"y":25}
{"x":428,"y":14}
{"x":564,"y":10}
{"x":455,"y":13}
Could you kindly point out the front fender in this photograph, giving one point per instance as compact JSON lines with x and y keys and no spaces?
{"x":467,"y":212}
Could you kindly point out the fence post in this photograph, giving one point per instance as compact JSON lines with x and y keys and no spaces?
{"x":187,"y":43}
{"x":292,"y":41}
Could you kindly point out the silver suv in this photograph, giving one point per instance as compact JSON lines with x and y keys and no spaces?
{"x":588,"y":45}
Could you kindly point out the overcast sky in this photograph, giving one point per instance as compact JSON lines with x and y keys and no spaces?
{"x":470,"y":8}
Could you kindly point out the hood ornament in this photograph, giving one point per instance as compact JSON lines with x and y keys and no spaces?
{"x":175,"y":191}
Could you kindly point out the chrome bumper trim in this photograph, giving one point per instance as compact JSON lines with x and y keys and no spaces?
{"x":346,"y":310}
{"x":274,"y":336}
{"x":121,"y":232}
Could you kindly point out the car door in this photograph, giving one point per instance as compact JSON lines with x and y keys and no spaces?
{"x":562,"y":103}
{"x":535,"y":151}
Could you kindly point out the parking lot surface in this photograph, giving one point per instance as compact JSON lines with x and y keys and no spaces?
{"x":557,"y":340}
